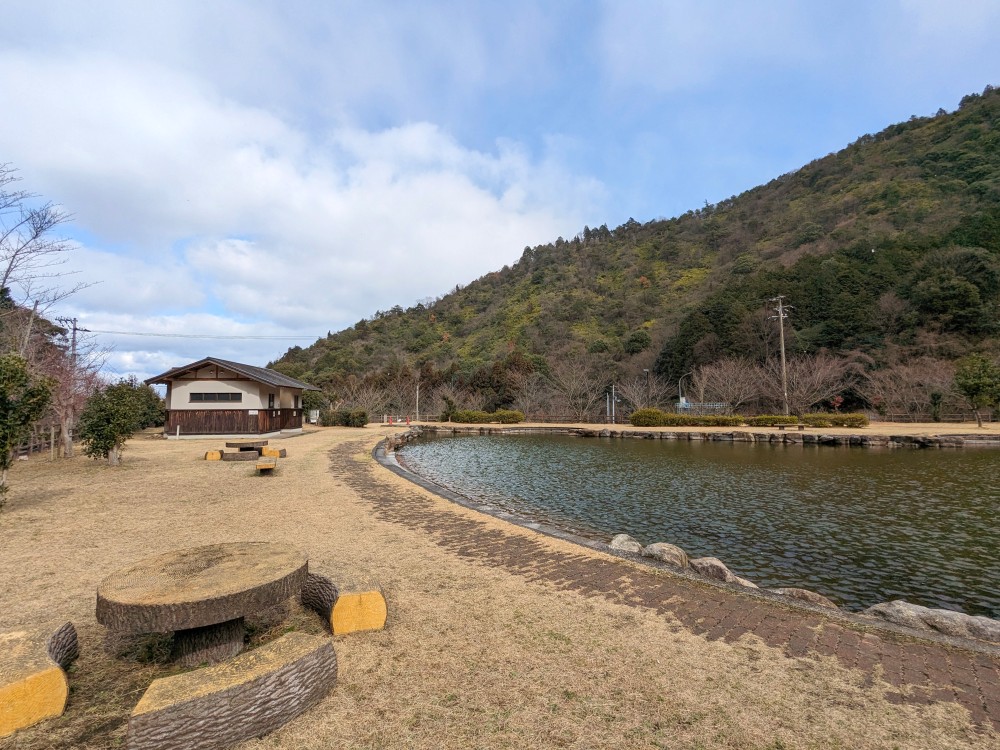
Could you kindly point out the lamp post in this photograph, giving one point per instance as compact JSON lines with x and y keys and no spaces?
{"x":680,"y":387}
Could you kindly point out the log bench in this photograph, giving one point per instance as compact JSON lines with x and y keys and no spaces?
{"x":781,"y":427}
{"x":240,"y":455}
{"x":33,"y":683}
{"x":350,"y":605}
{"x":273,"y":452}
{"x":266,"y":465}
{"x":248,"y":696}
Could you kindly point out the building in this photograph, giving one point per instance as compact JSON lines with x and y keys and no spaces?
{"x":217,"y":397}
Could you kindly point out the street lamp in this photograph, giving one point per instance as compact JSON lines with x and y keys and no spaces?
{"x":680,"y":386}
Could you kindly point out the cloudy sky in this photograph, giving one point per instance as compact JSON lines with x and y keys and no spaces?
{"x":284,"y":169}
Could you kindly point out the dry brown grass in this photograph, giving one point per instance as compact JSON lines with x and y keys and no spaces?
{"x":473,"y":657}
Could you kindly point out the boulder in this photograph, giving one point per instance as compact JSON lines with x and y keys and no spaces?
{"x":671,"y":554}
{"x":805,"y":595}
{"x":713,"y":567}
{"x":943,"y":621}
{"x":625,"y":543}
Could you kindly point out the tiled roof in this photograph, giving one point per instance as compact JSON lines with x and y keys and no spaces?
{"x":260,"y":374}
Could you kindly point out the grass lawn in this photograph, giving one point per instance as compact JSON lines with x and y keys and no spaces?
{"x":472,"y":657}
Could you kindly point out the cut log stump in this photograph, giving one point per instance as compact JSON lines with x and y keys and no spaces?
{"x":273,"y":452}
{"x":214,"y":455}
{"x":348,"y":605}
{"x":33,"y":685}
{"x":248,"y":696}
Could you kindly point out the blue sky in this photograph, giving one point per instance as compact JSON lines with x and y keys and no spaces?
{"x":286,"y":168}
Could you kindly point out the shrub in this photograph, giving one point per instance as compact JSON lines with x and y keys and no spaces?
{"x":835,"y":420}
{"x":471,"y":416}
{"x":648,"y":418}
{"x":770,"y":420}
{"x":343,"y":418}
{"x":508,"y":416}
{"x":657,"y":418}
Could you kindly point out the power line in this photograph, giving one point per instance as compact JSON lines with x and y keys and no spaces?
{"x":205,"y":336}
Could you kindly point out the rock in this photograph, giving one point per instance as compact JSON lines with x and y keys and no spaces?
{"x":943,"y":621}
{"x":671,"y":554}
{"x":713,"y":567}
{"x":625,"y":543}
{"x":805,"y":595}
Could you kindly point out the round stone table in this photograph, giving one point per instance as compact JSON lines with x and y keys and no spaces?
{"x":201,"y":595}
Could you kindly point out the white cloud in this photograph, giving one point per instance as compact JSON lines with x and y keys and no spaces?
{"x":202,"y":203}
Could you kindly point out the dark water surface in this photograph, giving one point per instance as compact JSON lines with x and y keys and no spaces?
{"x":857,"y":525}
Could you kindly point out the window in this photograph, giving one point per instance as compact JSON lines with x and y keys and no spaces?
{"x":270,"y":400}
{"x":296,"y":404}
{"x":238,"y":397}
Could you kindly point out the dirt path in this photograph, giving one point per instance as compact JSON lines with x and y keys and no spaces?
{"x":498,"y":637}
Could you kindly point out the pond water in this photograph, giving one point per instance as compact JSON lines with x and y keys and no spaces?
{"x":858,"y":525}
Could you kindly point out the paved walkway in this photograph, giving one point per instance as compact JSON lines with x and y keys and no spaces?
{"x":924,"y":671}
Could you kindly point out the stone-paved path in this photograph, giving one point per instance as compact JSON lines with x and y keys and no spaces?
{"x":924,"y":671}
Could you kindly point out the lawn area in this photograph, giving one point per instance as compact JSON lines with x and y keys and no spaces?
{"x":472,"y":656}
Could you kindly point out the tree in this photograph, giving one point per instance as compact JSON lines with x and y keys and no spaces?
{"x":23,"y":399}
{"x":645,"y":391}
{"x":811,"y":379}
{"x":110,"y":417}
{"x":28,"y":252}
{"x":579,"y":384}
{"x":977,"y":378}
{"x":731,"y":381}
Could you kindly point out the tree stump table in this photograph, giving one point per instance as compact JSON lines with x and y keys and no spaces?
{"x":201,"y":595}
{"x":247,"y":445}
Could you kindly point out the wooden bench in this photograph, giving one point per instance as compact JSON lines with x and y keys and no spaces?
{"x":273,"y":452}
{"x":33,"y":683}
{"x":248,"y":696}
{"x":800,"y":427}
{"x":267,"y":465}
{"x":350,"y":605}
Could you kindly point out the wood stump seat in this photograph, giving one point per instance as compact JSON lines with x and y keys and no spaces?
{"x":33,"y":683}
{"x":248,"y":455}
{"x":245,"y":697}
{"x":273,"y":452}
{"x":266,"y":465}
{"x":348,"y":604}
{"x":201,"y":595}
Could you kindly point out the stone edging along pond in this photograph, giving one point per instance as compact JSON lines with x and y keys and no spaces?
{"x":954,"y":628}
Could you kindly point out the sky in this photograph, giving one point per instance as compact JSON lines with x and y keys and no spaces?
{"x":264,"y":173}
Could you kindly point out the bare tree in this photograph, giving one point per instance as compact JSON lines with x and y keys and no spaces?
{"x":915,"y":388}
{"x":645,"y":391}
{"x":76,"y":376}
{"x":532,"y":392}
{"x":733,"y":381}
{"x":29,"y":254}
{"x":811,"y":379}
{"x":578,"y":384}
{"x":367,"y":396}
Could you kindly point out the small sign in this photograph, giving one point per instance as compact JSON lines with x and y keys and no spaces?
{"x":252,"y":412}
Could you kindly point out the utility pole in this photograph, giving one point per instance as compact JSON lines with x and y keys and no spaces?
{"x":782,"y":313}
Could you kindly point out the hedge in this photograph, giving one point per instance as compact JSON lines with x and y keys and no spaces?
{"x":657,"y":418}
{"x":472,"y":416}
{"x":835,"y":420}
{"x":343,"y":418}
{"x":770,"y":420}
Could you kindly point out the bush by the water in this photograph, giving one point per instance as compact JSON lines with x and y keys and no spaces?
{"x":658,"y":418}
{"x":835,"y":420}
{"x":472,"y":416}
{"x":344,"y":418}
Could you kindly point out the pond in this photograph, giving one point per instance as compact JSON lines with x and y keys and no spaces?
{"x":858,"y":525}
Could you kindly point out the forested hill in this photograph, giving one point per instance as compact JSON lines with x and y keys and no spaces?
{"x":888,"y":250}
